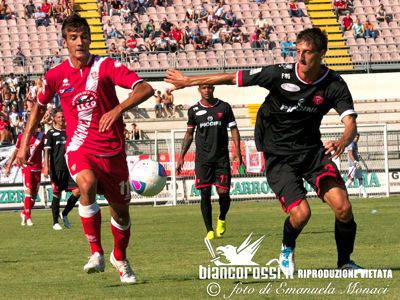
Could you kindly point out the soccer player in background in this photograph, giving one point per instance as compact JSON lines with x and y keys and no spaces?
{"x":355,"y":171}
{"x":31,"y":168}
{"x":95,"y":146}
{"x":56,"y":166}
{"x":210,"y":118}
{"x":287,"y":131}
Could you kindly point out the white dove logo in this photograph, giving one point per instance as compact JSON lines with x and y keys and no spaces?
{"x":236,"y":256}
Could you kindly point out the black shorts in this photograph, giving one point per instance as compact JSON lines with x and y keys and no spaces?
{"x":213,"y":173}
{"x":285,"y":175}
{"x":62,"y":181}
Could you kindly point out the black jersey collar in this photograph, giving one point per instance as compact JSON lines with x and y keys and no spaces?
{"x":215,"y":104}
{"x":305,"y":82}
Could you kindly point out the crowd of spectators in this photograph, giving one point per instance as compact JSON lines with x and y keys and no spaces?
{"x":202,"y":28}
{"x":360,"y":30}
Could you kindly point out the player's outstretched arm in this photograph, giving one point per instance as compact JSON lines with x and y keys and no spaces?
{"x":10,"y":162}
{"x":350,"y":131}
{"x":186,"y":142}
{"x":180,"y":81}
{"x":37,"y":114}
{"x":140,"y":93}
{"x":46,"y":163}
{"x":236,"y":140}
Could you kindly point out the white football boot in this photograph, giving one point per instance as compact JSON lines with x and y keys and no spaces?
{"x":286,"y":261}
{"x":57,"y":226}
{"x":124,"y":269}
{"x":95,"y":264}
{"x":23,"y":219}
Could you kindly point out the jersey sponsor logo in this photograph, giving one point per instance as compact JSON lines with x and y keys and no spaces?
{"x":318,"y":99}
{"x":298,"y":107}
{"x":201,"y":112}
{"x":85,"y":100}
{"x":285,"y":75}
{"x":210,"y":124}
{"x":290,"y":87}
{"x":65,"y":82}
{"x":56,"y":133}
{"x":195,"y":108}
{"x":255,"y":71}
{"x":210,"y":118}
{"x":287,"y":66}
{"x":70,"y":89}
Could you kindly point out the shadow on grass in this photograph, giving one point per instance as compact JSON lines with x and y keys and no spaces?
{"x":9,"y":261}
{"x":124,"y":285}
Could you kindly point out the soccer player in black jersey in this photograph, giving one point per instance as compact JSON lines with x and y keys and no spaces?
{"x":211,"y":118}
{"x":55,"y":164}
{"x":287,"y":131}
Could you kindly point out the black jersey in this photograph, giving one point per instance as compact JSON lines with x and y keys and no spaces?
{"x":211,"y":125}
{"x":289,"y":119}
{"x":55,"y":143}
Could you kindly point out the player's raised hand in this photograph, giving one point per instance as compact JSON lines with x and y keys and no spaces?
{"x":109,"y":118}
{"x":179,"y":166}
{"x":335,"y":148}
{"x":176,"y":78}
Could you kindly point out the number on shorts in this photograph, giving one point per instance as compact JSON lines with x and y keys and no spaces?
{"x":124,"y":187}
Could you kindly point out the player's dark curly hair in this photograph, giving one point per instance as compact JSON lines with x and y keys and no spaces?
{"x":314,"y":36}
{"x":74,"y":22}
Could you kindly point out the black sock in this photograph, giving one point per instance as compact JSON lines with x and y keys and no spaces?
{"x":206,"y":207}
{"x":70,"y":204}
{"x":290,"y":234}
{"x":345,"y":235}
{"x":55,"y":208}
{"x":224,"y":204}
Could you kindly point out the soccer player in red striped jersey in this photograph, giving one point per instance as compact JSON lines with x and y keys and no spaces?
{"x":31,"y":171}
{"x":95,"y":146}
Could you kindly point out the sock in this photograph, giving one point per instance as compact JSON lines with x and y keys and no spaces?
{"x":121,"y":235}
{"x":70,"y":205}
{"x":224,"y":204}
{"x":362,"y":187}
{"x":345,"y":235}
{"x":348,"y":182}
{"x":27,"y":207}
{"x":55,"y":208}
{"x":91,"y":223}
{"x":290,"y":234}
{"x":206,"y":209}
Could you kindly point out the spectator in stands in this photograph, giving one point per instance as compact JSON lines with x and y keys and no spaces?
{"x":41,"y":19}
{"x":215,"y":35}
{"x":294,"y":10}
{"x":30,"y":9}
{"x":199,"y":42}
{"x":165,"y":27}
{"x":382,"y":15}
{"x":230,"y":18}
{"x":59,"y":12}
{"x":255,"y":39}
{"x":203,"y":14}
{"x":136,"y":133}
{"x":23,"y":88}
{"x":19,"y":57}
{"x":177,"y":35}
{"x":126,"y":13}
{"x":149,"y":29}
{"x":162,"y":43}
{"x":226,"y":34}
{"x":219,"y":10}
{"x":369,"y":30}
{"x":6,"y":95}
{"x":288,"y":48}
{"x":115,"y":8}
{"x":168,"y":103}
{"x":46,"y":8}
{"x":114,"y":52}
{"x":260,"y":21}
{"x":150,"y":44}
{"x":190,"y":14}
{"x":237,"y":34}
{"x":358,"y":29}
{"x":5,"y":133}
{"x":13,"y":117}
{"x":347,"y":23}
{"x":158,"y":108}
{"x":111,"y":31}
{"x":340,"y":8}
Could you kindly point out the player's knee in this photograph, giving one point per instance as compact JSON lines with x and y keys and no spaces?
{"x":343,"y":212}
{"x":300,"y":215}
{"x":222,"y":191}
{"x":76,"y":193}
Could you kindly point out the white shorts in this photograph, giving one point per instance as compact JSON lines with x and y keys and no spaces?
{"x":354,"y":172}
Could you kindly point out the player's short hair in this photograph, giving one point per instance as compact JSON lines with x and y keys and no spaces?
{"x":314,"y":36}
{"x":357,"y":135}
{"x":57,"y":110}
{"x":74,"y":22}
{"x":210,"y":85}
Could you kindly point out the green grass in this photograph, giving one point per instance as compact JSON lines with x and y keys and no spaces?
{"x":167,"y":248}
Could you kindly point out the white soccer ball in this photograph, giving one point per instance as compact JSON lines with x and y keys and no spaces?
{"x":148,"y":177}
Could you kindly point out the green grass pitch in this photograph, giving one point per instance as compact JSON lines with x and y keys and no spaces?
{"x":167,"y":248}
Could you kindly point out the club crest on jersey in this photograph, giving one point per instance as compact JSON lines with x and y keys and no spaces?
{"x":220,"y":115}
{"x":85,"y":100}
{"x":318,"y":99}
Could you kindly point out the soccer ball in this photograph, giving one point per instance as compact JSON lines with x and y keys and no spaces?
{"x":148,"y":177}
